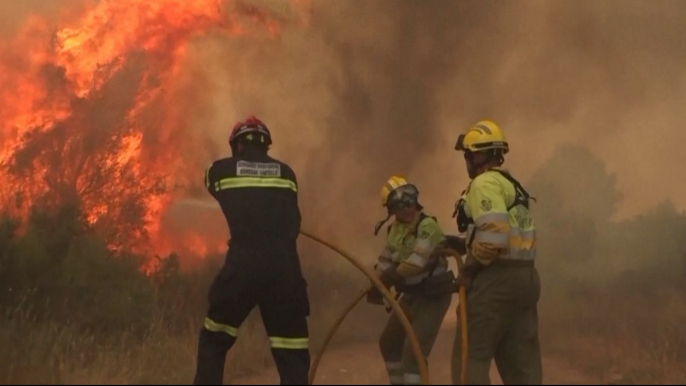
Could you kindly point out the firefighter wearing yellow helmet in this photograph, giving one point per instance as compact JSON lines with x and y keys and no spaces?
{"x":424,"y":283}
{"x":503,"y":284}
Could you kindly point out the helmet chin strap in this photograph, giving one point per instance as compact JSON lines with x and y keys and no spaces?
{"x":379,"y":224}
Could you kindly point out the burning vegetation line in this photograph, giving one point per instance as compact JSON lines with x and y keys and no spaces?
{"x":91,"y":111}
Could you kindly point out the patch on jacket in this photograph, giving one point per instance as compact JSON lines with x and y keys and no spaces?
{"x":258,"y":169}
{"x":486,"y":205}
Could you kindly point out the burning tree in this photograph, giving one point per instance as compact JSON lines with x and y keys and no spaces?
{"x":87,"y":116}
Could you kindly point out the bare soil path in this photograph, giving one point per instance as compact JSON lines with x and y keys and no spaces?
{"x":362,"y":365}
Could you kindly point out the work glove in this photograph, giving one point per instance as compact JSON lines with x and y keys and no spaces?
{"x":390,"y":277}
{"x":375,"y":297}
{"x":455,"y":242}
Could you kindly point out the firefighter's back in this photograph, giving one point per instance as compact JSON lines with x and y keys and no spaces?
{"x":258,"y":196}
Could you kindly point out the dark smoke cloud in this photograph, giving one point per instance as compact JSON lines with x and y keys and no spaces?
{"x":372,"y":88}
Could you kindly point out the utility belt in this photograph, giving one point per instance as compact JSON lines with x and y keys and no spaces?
{"x":432,"y":287}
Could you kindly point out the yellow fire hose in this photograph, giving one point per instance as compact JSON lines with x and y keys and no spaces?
{"x":332,"y":332}
{"x":414,"y":342}
{"x":419,"y":356}
{"x":461,"y":317}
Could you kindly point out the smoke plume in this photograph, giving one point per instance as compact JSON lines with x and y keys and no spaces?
{"x":356,"y":91}
{"x":368,"y":89}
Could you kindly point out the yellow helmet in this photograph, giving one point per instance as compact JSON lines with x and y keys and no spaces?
{"x":485,"y":135}
{"x":392,"y":189}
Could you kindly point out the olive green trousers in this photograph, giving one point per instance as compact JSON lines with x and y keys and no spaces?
{"x":502,"y":320}
{"x":426,"y":316}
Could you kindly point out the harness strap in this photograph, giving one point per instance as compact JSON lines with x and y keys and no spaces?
{"x":522,"y":197}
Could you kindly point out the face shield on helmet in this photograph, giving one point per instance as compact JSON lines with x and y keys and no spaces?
{"x":402,"y":197}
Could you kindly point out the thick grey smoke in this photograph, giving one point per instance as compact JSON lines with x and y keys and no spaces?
{"x":374,"y":88}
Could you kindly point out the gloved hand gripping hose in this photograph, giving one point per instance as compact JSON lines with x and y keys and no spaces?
{"x":416,"y":349}
{"x":414,"y":342}
{"x":461,"y":318}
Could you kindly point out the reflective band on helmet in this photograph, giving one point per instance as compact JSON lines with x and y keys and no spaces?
{"x":289,"y":343}
{"x":211,"y":325}
{"x":255,"y":182}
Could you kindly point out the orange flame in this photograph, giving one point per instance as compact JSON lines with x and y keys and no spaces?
{"x":75,"y":121}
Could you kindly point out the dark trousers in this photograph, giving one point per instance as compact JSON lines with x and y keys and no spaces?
{"x":284,"y":307}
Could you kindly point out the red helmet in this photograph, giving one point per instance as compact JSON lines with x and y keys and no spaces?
{"x":250,"y":125}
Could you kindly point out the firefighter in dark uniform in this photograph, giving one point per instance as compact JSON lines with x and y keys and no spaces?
{"x":259,"y":198}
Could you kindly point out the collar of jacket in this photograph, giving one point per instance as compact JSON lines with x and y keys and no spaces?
{"x":500,"y":168}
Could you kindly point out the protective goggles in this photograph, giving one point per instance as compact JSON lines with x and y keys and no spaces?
{"x":402,"y":197}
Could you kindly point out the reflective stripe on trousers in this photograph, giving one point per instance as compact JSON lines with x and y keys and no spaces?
{"x":412,"y":379}
{"x":289,"y":343}
{"x":212,"y":326}
{"x":395,"y":374}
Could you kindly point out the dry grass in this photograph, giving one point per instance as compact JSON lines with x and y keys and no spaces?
{"x":47,"y":349}
{"x":623,"y":337}
{"x":52,"y":353}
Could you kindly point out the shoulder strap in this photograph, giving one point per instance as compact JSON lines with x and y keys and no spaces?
{"x":422,"y":217}
{"x":522,"y":197}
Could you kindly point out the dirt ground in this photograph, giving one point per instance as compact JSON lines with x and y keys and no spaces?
{"x":362,"y":365}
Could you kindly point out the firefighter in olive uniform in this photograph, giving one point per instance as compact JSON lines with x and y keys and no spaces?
{"x":425,"y":284}
{"x":258,"y":196}
{"x":503,"y":284}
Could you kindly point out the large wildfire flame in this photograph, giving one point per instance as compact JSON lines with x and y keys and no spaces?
{"x":87,"y":117}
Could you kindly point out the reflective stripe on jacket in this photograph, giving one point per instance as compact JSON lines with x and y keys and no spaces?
{"x":411,"y":253}
{"x":501,"y":229}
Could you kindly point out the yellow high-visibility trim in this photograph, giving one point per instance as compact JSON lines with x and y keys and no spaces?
{"x":211,"y":325}
{"x":256,"y":182}
{"x":289,"y":343}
